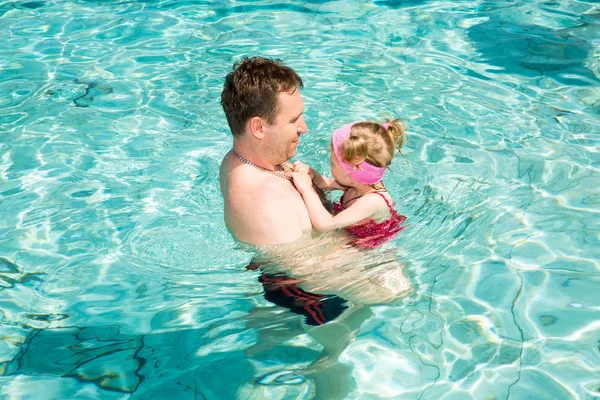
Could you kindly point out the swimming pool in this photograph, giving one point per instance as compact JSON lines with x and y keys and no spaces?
{"x":118,"y":278}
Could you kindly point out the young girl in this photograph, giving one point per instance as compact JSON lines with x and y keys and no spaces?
{"x":360,"y":154}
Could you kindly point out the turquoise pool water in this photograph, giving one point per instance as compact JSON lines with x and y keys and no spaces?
{"x":119,"y":280}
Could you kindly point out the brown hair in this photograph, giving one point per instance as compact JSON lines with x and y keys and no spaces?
{"x":251,"y":90}
{"x":371,"y":142}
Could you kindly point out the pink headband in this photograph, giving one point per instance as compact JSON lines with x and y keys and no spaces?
{"x":364,"y":172}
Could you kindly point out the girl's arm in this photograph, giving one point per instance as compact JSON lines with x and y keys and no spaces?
{"x":325,"y":183}
{"x":320,"y":218}
{"x":319,"y":180}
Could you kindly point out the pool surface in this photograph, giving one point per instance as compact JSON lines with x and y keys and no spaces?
{"x":119,"y":280}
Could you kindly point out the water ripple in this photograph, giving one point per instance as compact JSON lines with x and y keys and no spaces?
{"x":115,"y":264}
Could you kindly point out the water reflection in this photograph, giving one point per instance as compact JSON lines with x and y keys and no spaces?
{"x":291,"y":345}
{"x":175,"y":363}
{"x":534,"y":49}
{"x":328,"y":265}
{"x":331,"y":284}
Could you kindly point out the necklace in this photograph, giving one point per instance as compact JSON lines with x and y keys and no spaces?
{"x":276,"y":173}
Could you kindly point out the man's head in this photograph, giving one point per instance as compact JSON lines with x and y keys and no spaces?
{"x":261,"y":99}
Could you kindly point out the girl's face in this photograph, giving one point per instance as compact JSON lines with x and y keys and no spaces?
{"x":337,"y":171}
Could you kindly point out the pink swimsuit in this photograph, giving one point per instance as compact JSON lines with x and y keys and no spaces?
{"x":369,"y":233}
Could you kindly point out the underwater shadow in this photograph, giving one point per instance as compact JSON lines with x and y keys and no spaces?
{"x":533,"y":50}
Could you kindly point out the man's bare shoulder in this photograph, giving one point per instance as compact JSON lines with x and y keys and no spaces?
{"x":261,"y":208}
{"x":237,"y":178}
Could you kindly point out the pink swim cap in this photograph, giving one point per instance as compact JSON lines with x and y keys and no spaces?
{"x":364,"y":172}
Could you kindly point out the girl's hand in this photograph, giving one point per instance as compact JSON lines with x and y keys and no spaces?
{"x":303,"y":168}
{"x":302,"y":181}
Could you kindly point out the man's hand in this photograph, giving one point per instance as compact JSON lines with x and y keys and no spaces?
{"x":302,"y":181}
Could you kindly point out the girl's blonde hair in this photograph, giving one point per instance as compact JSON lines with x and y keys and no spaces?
{"x":371,"y":142}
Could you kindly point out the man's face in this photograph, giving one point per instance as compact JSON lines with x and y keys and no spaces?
{"x":283,"y":136}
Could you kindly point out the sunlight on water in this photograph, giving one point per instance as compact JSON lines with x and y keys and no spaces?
{"x":118,"y":276}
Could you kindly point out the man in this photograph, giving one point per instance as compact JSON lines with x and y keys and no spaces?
{"x":264,"y":109}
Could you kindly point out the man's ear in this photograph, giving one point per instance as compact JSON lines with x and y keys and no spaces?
{"x":257,"y":127}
